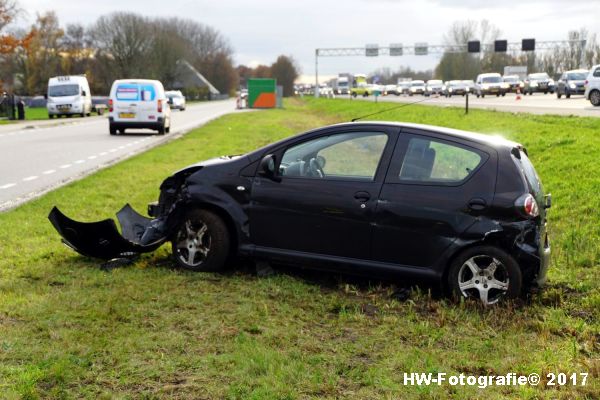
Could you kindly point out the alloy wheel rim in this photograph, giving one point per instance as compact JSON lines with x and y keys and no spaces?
{"x":483,"y":277}
{"x":193,"y":243}
{"x":595,"y":98}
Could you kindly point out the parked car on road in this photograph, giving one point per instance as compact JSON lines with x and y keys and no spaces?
{"x":138,"y":104}
{"x":592,"y":86}
{"x":416,"y":87}
{"x":391,"y":89}
{"x":68,"y":96}
{"x":514,"y":83}
{"x":373,"y":198}
{"x":538,"y":83}
{"x":434,"y":86}
{"x":470,"y":84}
{"x":571,"y":82}
{"x":176,"y":99}
{"x":403,"y":87}
{"x":490,"y":83}
{"x":455,"y":88}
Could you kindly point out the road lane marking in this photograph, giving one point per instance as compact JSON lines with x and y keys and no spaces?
{"x":79,"y":161}
{"x":48,"y":172}
{"x":8,"y":185}
{"x":30,"y":178}
{"x":121,"y":147}
{"x":112,"y":150}
{"x":103,"y":153}
{"x":92,"y":157}
{"x":65,"y":166}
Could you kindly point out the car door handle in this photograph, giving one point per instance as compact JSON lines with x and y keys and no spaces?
{"x":477,"y":203}
{"x":363,"y":197}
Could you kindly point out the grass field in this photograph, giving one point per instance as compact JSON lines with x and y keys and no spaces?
{"x":71,"y":330}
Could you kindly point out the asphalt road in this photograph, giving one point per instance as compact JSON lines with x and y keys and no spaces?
{"x":36,"y":157}
{"x":538,"y":103}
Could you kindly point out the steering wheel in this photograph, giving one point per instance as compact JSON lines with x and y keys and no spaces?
{"x":314,"y":168}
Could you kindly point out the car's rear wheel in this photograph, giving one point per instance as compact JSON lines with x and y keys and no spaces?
{"x":595,"y":98}
{"x":161,"y":129}
{"x":485,"y":273}
{"x":201,"y":242}
{"x":112,"y":130}
{"x":558,"y":95}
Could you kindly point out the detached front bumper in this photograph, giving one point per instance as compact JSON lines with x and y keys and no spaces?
{"x":103,"y":240}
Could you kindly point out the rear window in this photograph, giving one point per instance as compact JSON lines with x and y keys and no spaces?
{"x":530,"y":174}
{"x":135,"y":92}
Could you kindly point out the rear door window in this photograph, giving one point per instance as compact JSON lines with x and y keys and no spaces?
{"x":128,"y":92}
{"x":432,"y":161}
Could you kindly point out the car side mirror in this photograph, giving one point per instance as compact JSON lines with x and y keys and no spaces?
{"x":267,"y":168}
{"x":83,"y":93}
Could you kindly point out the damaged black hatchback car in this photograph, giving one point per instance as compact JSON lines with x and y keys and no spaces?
{"x":377,"y":199}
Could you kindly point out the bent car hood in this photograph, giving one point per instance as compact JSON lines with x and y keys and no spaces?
{"x":103,"y":240}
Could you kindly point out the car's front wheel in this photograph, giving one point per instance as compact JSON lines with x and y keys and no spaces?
{"x":201,"y":242}
{"x":485,"y":273}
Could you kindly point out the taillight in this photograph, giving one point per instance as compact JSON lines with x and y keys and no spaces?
{"x":110,"y":105}
{"x":159,"y":109}
{"x":527,"y":206}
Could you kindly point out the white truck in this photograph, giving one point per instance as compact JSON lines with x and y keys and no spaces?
{"x":343,"y":84}
{"x":69,"y":95}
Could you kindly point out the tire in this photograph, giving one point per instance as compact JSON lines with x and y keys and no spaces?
{"x":205,"y":233}
{"x":482,"y":95}
{"x":82,"y":115}
{"x":168,"y":128}
{"x":595,"y":97}
{"x":161,"y":130}
{"x":467,"y":276}
{"x":558,"y":95}
{"x":112,"y":130}
{"x":69,"y":115}
{"x":503,"y":94}
{"x":50,"y":116}
{"x":354,"y":94}
{"x":568,"y":94}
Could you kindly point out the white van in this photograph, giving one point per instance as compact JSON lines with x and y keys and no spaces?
{"x":138,"y":103}
{"x":69,"y":95}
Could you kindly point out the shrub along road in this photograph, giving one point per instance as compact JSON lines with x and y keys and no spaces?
{"x":69,"y":329}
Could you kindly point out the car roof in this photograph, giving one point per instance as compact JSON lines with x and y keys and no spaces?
{"x":494,"y":141}
{"x":585,"y":71}
{"x":490,"y":74}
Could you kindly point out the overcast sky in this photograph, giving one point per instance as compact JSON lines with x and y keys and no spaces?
{"x":259,"y":30}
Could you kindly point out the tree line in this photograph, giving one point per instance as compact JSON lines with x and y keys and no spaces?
{"x":119,"y":45}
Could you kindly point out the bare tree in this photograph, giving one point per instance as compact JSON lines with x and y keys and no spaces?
{"x":285,"y":70}
{"x":126,"y":39}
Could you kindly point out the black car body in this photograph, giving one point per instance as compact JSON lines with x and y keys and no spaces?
{"x":571,"y":82}
{"x":538,"y":83}
{"x":373,"y":198}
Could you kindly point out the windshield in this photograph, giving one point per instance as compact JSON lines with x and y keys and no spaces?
{"x":417,"y":83}
{"x":510,"y":79}
{"x":530,"y":174}
{"x":539,"y":76}
{"x":63,"y":90}
{"x":491,"y":79}
{"x":434,"y":82}
{"x":577,"y":76}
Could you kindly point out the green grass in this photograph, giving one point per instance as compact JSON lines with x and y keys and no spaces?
{"x":71,"y":330}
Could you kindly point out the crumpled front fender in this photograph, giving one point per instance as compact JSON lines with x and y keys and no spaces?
{"x":103,"y":240}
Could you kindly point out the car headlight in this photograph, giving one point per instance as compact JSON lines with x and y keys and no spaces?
{"x":572,"y":85}
{"x":485,"y":86}
{"x":504,"y":86}
{"x":550,"y":82}
{"x":412,"y":89}
{"x":521,"y":84}
{"x":450,"y":90}
{"x":533,"y":84}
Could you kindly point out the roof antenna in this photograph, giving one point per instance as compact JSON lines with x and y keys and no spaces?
{"x":389,"y":109}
